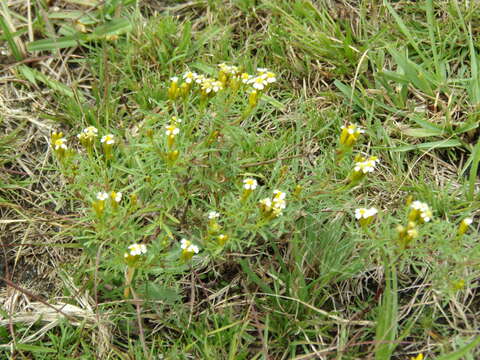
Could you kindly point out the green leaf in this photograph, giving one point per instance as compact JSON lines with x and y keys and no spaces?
{"x":459,"y":354}
{"x":35,"y":348}
{"x":59,"y":43}
{"x":9,"y":36}
{"x":387,"y":322}
{"x":421,"y":132}
{"x":430,"y":145}
{"x":114,"y":27}
{"x":33,"y":76}
{"x":160,"y":293}
{"x":252,"y":276}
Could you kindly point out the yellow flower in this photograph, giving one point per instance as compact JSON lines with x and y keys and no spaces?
{"x":188,"y":249}
{"x":222,"y":239}
{"x":464,"y":224}
{"x":174,"y":90}
{"x":418,"y":357}
{"x":350,"y":134}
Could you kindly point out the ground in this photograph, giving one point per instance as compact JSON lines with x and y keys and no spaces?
{"x":290,"y":268}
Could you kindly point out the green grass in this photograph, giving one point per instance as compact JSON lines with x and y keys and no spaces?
{"x":311,"y":283}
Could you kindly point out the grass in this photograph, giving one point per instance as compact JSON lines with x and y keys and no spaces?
{"x":310,"y":283}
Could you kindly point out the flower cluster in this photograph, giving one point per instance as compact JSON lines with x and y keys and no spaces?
{"x":350,"y":134}
{"x":348,"y":137}
{"x":366,"y":166}
{"x":87,"y":139}
{"x":361,"y":168}
{"x":420,"y":212}
{"x":229,"y":77}
{"x":59,"y":144}
{"x":102,"y":197}
{"x":134,"y":252}
{"x":87,"y":136}
{"x":171,"y":131}
{"x":273,"y":207}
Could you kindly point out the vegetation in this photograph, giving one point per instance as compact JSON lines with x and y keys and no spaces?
{"x":241,"y":179}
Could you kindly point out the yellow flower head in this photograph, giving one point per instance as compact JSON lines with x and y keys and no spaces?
{"x":350,"y":134}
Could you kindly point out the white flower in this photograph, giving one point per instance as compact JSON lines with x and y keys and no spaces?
{"x":245,"y":78}
{"x":217,"y":86}
{"x":189,"y":77}
{"x":174,"y":79}
{"x":136,"y":250}
{"x":423,"y":209}
{"x":199,"y":79}
{"x":269,"y":77}
{"x":107,"y":139}
{"x":258,"y":82}
{"x":102,"y":196}
{"x":172,"y":130}
{"x":467,"y":221}
{"x":278,"y":195}
{"x":250,"y":184}
{"x":60,"y":144}
{"x":213,"y":215}
{"x":365,"y":213}
{"x":367,"y":165}
{"x":117,"y":197}
{"x":353,"y":129}
{"x":262,"y":70}
{"x":266,"y":204}
{"x":187,"y":246}
{"x":91,"y":130}
{"x":279,"y":204}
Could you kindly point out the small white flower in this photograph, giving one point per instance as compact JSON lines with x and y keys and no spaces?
{"x":91,"y":130}
{"x":467,"y":221}
{"x":262,"y":70}
{"x":136,"y":250}
{"x":107,"y":139}
{"x":250,"y":184}
{"x":60,"y":144}
{"x":266,"y":204}
{"x":258,"y":83}
{"x":118,"y":197}
{"x":363,"y":213}
{"x":279,"y":204}
{"x":278,"y":195}
{"x":423,"y":209}
{"x":217,"y":86}
{"x":269,"y":77}
{"x":187,"y":246}
{"x":245,"y":78}
{"x":189,"y":77}
{"x":102,"y":196}
{"x":174,"y":79}
{"x":199,"y":79}
{"x":171,"y":130}
{"x":213,"y":215}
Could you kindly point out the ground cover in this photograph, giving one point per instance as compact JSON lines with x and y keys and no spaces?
{"x":239,"y":179}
